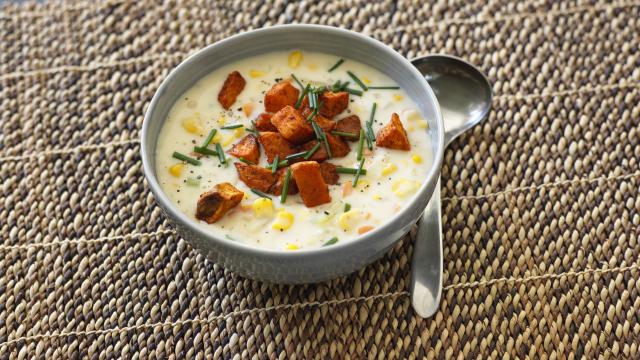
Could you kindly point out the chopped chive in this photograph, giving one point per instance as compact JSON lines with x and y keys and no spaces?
{"x":312,"y":151}
{"x":283,"y":163}
{"x":345,"y":134}
{"x":246,"y":161}
{"x":260,"y":193}
{"x":335,"y":66}
{"x":373,"y":112}
{"x":370,"y":137}
{"x":253,"y":128}
{"x":186,"y":158}
{"x":285,"y":187}
{"x":313,"y":114}
{"x":385,"y":87}
{"x":331,"y":241}
{"x":296,"y":155}
{"x":347,"y":207}
{"x":352,"y":171}
{"x":357,"y":80}
{"x":230,"y":127}
{"x":295,"y":78}
{"x":205,"y":151}
{"x":321,"y":137}
{"x":358,"y":172}
{"x":274,"y":164}
{"x":223,"y":159}
{"x":313,"y":100}
{"x":207,"y":141}
{"x":302,"y":95}
{"x":191,"y":181}
{"x":353,"y":91}
{"x":360,"y":144}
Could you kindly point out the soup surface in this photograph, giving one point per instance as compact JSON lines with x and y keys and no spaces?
{"x":388,"y":177}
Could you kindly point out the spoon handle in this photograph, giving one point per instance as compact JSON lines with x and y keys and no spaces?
{"x":426,"y":266}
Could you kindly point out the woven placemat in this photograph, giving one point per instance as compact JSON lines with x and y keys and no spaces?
{"x":541,"y":203}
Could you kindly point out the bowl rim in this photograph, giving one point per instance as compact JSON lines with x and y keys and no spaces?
{"x":183,"y":218}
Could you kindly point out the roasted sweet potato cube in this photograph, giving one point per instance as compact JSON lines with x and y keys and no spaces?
{"x":351,"y":124}
{"x":339,"y":148}
{"x":246,"y":148}
{"x":277,"y":187}
{"x":232,"y":87}
{"x":324,"y":123}
{"x":213,"y":204}
{"x":263,"y":123}
{"x":319,"y":155}
{"x":333,"y":103}
{"x":313,"y":190}
{"x":393,"y":135}
{"x":274,"y":144}
{"x":280,"y":95}
{"x":255,"y":177}
{"x":329,"y":173}
{"x":292,"y":125}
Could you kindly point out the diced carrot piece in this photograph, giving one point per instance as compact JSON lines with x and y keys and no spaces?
{"x":246,"y":148}
{"x":213,"y":204}
{"x":393,"y":135}
{"x":280,"y":95}
{"x":364,"y":229}
{"x":263,"y":123}
{"x":329,"y":173}
{"x":255,"y":177}
{"x":232,"y":87}
{"x":274,"y":144}
{"x":351,"y":124}
{"x":292,"y":125}
{"x":313,"y":190}
{"x":276,"y":189}
{"x":333,"y":103}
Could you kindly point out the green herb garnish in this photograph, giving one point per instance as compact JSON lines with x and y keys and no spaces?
{"x":331,"y":241}
{"x":204,"y":151}
{"x":312,"y":151}
{"x":295,"y":78}
{"x":221,"y":157}
{"x":274,"y":164}
{"x":320,"y":135}
{"x":191,"y":181}
{"x":313,"y":99}
{"x":352,"y":171}
{"x":302,"y":95}
{"x":385,"y":87}
{"x":347,"y":207}
{"x":360,"y":145}
{"x":260,"y":193}
{"x":357,"y":80}
{"x":246,"y":161}
{"x":229,"y":237}
{"x":296,"y":155}
{"x":358,"y":172}
{"x":335,"y":66}
{"x":285,"y":187}
{"x":230,"y":127}
{"x":207,"y":141}
{"x":313,"y":114}
{"x":353,"y":91}
{"x":368,"y":126}
{"x":345,"y":134}
{"x":253,"y":128}
{"x":186,"y":158}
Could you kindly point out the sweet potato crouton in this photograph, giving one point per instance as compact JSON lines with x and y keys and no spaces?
{"x":313,"y":190}
{"x":319,"y":155}
{"x":255,"y":177}
{"x":339,"y":148}
{"x":263,"y":123}
{"x":324,"y":123}
{"x":350,"y":124}
{"x":329,"y":173}
{"x":393,"y":135}
{"x":246,"y":148}
{"x":213,"y":204}
{"x":276,"y":188}
{"x":280,"y":95}
{"x":333,"y":103}
{"x":232,"y":87}
{"x":292,"y":125}
{"x":274,"y":144}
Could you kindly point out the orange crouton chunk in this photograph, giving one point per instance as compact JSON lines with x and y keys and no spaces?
{"x":333,"y":103}
{"x":350,"y":124}
{"x":263,"y":123}
{"x":274,"y":144}
{"x":255,"y":177}
{"x":329,"y":173}
{"x":213,"y":204}
{"x":324,"y":123}
{"x":280,"y":95}
{"x":313,"y":190}
{"x":339,"y":148}
{"x":246,"y":148}
{"x":277,"y":187}
{"x":319,"y":155}
{"x":292,"y":125}
{"x":232,"y":87}
{"x":393,"y":135}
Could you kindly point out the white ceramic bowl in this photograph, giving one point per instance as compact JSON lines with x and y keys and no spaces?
{"x":307,"y":265}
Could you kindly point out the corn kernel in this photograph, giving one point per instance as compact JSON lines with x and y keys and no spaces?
{"x":176,"y":170}
{"x":389,"y":169}
{"x":404,"y":187}
{"x":283,"y":221}
{"x":192,"y":125}
{"x":416,"y":158}
{"x":217,"y":138}
{"x":238,"y":132}
{"x":397,"y":97}
{"x":295,"y":58}
{"x":263,"y":207}
{"x":349,"y":219}
{"x":228,"y":139}
{"x":256,"y":73}
{"x":291,"y":247}
{"x":362,"y":184}
{"x":365,"y":80}
{"x":222,"y":121}
{"x":377,"y":197}
{"x":422,"y":124}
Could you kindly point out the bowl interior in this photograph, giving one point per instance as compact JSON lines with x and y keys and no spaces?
{"x":339,"y":42}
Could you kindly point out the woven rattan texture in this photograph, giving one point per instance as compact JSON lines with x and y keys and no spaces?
{"x":541,"y":203}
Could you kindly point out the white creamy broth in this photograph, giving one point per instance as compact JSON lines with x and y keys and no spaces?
{"x":392,"y":180}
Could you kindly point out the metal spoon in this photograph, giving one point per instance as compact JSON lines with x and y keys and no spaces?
{"x":464,"y":95}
